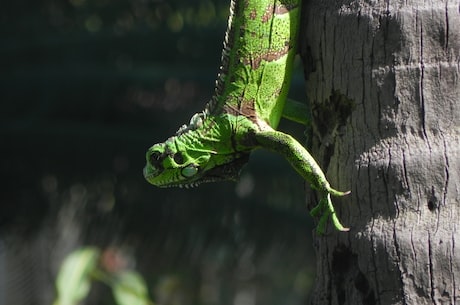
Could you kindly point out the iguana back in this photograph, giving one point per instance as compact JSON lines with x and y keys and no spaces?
{"x":259,"y":48}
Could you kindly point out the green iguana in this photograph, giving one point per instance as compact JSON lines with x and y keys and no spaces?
{"x":244,"y":112}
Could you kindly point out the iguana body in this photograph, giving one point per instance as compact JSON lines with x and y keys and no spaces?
{"x":243,"y":114}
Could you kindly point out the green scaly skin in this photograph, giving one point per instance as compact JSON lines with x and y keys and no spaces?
{"x":243,"y":114}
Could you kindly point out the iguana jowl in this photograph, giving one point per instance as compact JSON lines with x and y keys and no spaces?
{"x":243,"y":114}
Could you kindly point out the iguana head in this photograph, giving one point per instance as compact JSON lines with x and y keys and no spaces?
{"x":175,"y":164}
{"x":189,"y":159}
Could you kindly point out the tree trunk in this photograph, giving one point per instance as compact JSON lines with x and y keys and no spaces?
{"x":383,"y":78}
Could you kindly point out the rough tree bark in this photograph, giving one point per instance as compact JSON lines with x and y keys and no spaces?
{"x":383,"y":78}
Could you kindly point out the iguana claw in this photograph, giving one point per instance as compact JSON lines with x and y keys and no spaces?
{"x":325,"y":208}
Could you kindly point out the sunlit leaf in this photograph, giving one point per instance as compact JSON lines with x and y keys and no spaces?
{"x":129,"y":288}
{"x":73,"y":280}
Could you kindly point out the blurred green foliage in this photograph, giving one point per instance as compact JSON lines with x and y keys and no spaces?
{"x":86,"y":86}
{"x":87,"y":265}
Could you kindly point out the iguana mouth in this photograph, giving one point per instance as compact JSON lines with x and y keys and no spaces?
{"x":225,"y":172}
{"x":228,"y":171}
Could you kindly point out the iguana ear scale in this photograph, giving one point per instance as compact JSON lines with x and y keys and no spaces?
{"x":189,"y":171}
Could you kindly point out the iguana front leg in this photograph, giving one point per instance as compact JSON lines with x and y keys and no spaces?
{"x":307,"y":167}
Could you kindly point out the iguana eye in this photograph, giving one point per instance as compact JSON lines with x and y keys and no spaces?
{"x":178,"y":158}
{"x":189,"y":170}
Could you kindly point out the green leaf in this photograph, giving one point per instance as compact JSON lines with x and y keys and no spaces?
{"x":73,"y":280}
{"x":129,"y":288}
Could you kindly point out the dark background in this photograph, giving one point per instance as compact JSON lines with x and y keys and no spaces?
{"x":86,"y":86}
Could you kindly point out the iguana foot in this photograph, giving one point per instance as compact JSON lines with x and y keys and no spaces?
{"x":325,"y":208}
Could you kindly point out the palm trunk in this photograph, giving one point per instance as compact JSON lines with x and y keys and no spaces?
{"x":383,"y":78}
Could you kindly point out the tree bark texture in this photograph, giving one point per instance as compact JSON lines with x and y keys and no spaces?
{"x":383,"y":79}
